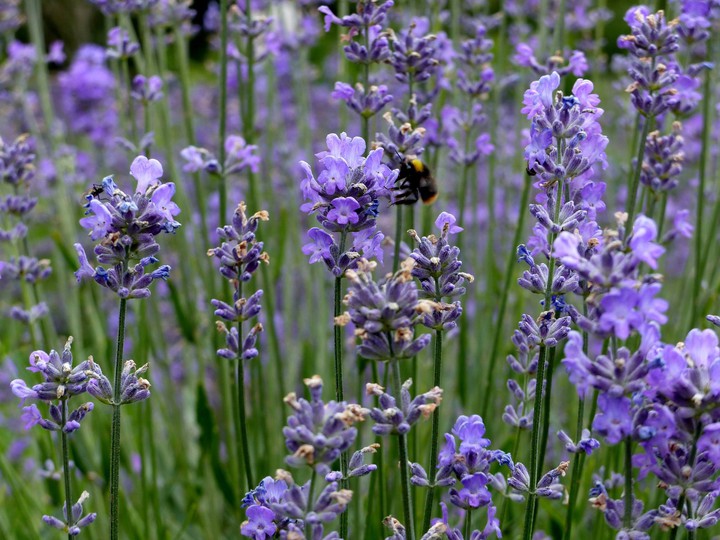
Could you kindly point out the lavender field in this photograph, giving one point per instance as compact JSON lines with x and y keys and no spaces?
{"x":359,"y":269}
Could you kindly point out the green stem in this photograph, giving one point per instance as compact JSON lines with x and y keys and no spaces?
{"x":241,"y":416}
{"x":311,"y":494}
{"x":534,"y":447}
{"x":34,"y":12}
{"x":661,"y":218}
{"x":379,"y":459}
{"x":437,"y":372}
{"x":468,"y":523}
{"x":249,"y":120}
{"x":636,"y":174}
{"x":339,"y":394}
{"x":546,"y":407}
{"x":402,"y":449}
{"x":398,"y":235}
{"x":115,"y":432}
{"x":222,"y":188}
{"x":487,"y":394}
{"x":559,"y":36}
{"x":627,"y":517}
{"x":66,"y":464}
{"x":538,"y":452}
{"x":699,"y":259}
{"x":579,"y":461}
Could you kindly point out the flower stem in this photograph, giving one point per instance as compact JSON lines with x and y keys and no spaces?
{"x":398,"y":234}
{"x":379,"y":460}
{"x":487,"y":394}
{"x":534,"y":447}
{"x":402,"y":449}
{"x":115,"y":431}
{"x":437,"y":371}
{"x":546,"y":407}
{"x":308,"y":508}
{"x":222,"y":123}
{"x":579,"y":461}
{"x":66,"y":463}
{"x":627,"y":517}
{"x":249,"y":120}
{"x":700,"y":261}
{"x":241,"y":414}
{"x":339,"y":394}
{"x":636,"y":174}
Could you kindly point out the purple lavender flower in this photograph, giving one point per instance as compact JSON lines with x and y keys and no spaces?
{"x":147,"y":89}
{"x":345,"y":198}
{"x":397,"y":415}
{"x":384,"y":314}
{"x":259,"y":524}
{"x":564,"y":64}
{"x":368,"y":23}
{"x":125,"y":226}
{"x":365,"y":103}
{"x":87,"y":96}
{"x":240,"y":255}
{"x":61,"y":382}
{"x":75,"y":522}
{"x":614,"y":421}
{"x":318,"y":432}
{"x":412,"y":55}
{"x":119,"y":44}
{"x":652,"y":44}
{"x":112,"y":7}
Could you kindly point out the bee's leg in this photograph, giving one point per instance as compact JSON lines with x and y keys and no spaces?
{"x":406,"y":195}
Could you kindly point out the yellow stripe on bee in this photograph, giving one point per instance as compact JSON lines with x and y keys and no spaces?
{"x":430,"y":199}
{"x":417,"y":165}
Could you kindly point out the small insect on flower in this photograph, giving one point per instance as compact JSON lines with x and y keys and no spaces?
{"x":94,"y":192}
{"x":415,"y":182}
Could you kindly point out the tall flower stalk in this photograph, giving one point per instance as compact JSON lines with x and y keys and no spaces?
{"x":565,"y":142}
{"x":62,"y":382}
{"x":125,"y":227}
{"x":384,"y":315}
{"x":240,"y":255}
{"x":437,"y":267}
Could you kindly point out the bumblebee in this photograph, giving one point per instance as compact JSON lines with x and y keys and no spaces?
{"x":415,"y":182}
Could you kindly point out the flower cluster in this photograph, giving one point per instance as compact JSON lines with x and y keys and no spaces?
{"x":437,"y":268}
{"x":368,"y":23}
{"x":413,"y":55}
{"x":119,"y":44}
{"x":385,"y":313}
{"x":475,"y":77}
{"x":125,"y":227}
{"x":240,"y":255}
{"x":392,"y":417}
{"x":318,"y":432}
{"x":17,"y":171}
{"x":566,"y":141}
{"x":366,"y":104}
{"x":239,"y":156}
{"x":132,"y":387}
{"x":651,"y":44}
{"x":345,"y":197}
{"x":571,"y":62}
{"x":87,"y":96}
{"x":114,"y":7}
{"x":367,"y":45}
{"x":61,"y":382}
{"x":75,"y":521}
{"x":291,"y":510}
{"x":663,"y":161}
